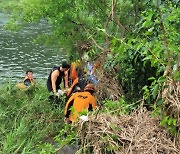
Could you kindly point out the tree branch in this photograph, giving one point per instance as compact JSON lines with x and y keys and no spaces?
{"x":117,"y":21}
{"x":93,"y":40}
{"x":120,"y":25}
{"x":107,"y":22}
{"x":165,"y":42}
{"x":91,"y":7}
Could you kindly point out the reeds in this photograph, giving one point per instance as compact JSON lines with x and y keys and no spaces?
{"x":26,"y":119}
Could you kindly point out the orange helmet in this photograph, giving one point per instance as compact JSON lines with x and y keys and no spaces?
{"x":89,"y":87}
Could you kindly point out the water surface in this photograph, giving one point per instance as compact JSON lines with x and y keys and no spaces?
{"x":18,"y":52}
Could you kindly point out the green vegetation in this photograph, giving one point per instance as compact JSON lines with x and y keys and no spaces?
{"x":137,"y":43}
{"x":142,"y":37}
{"x":27,"y":119}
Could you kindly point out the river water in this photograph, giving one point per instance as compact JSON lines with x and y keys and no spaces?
{"x":18,"y":52}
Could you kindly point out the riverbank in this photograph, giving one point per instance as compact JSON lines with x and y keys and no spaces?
{"x":30,"y":124}
{"x":26,"y":119}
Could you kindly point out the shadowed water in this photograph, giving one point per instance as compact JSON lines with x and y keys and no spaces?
{"x":18,"y":52}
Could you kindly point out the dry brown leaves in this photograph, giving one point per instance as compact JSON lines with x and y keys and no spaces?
{"x":138,"y":133}
{"x":171,"y":96}
{"x":108,"y":87}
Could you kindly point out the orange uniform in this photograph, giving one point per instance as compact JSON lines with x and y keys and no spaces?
{"x":79,"y":101}
{"x":73,"y":74}
{"x":73,"y":71}
{"x":74,"y":83}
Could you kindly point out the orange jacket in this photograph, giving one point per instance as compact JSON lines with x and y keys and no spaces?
{"x":79,"y":101}
{"x":74,"y":83}
{"x":73,"y":74}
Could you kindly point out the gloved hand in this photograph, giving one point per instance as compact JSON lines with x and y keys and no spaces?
{"x":84,"y":118}
{"x":60,"y":92}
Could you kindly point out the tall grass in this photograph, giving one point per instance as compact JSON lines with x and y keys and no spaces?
{"x":26,"y":119}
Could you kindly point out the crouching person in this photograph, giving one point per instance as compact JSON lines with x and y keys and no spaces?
{"x":80,"y":101}
{"x":55,"y":78}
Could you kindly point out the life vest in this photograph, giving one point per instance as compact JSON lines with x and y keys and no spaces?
{"x":21,"y":86}
{"x":79,"y":101}
{"x":58,"y":81}
{"x":73,"y":73}
{"x":27,"y":79}
{"x":27,"y":82}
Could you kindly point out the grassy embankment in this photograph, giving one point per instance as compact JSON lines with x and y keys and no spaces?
{"x":29,"y":123}
{"x":27,"y":119}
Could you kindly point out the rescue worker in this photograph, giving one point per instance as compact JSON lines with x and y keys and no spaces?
{"x":73,"y":72}
{"x":80,"y":101}
{"x":55,"y":77}
{"x":78,"y":84}
{"x":29,"y":79}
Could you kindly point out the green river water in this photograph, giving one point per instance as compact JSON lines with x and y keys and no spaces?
{"x":18,"y":52}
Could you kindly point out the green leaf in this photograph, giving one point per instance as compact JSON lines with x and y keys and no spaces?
{"x":146,"y":24}
{"x":157,"y":21}
{"x":170,"y":120}
{"x":155,"y":90}
{"x":152,"y":78}
{"x":164,"y":120}
{"x":159,"y":102}
{"x":146,"y":58}
{"x":135,"y":59}
{"x":172,"y":130}
{"x":161,"y":79}
{"x":121,"y":48}
{"x":151,"y":29}
{"x":174,"y":122}
{"x":149,"y":17}
{"x":100,"y":29}
{"x":177,"y":76}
